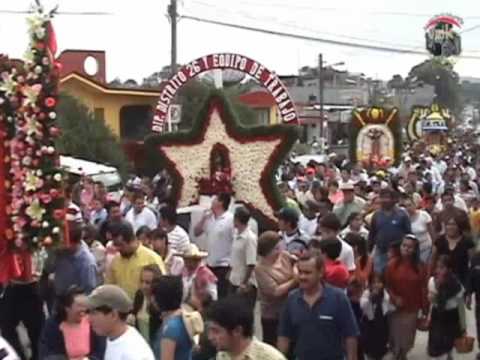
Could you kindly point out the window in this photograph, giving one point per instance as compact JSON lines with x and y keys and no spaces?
{"x":135,"y":122}
{"x":99,"y":113}
{"x":263,"y":116}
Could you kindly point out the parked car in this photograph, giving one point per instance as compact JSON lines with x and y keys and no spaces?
{"x":108,"y":175}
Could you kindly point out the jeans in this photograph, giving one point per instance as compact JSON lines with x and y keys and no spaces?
{"x":380,"y":261}
{"x":22,"y":303}
{"x":223,"y":284}
{"x":250,"y":295}
{"x":270,"y":330}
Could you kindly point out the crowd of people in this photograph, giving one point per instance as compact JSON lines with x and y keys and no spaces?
{"x":362,"y":259}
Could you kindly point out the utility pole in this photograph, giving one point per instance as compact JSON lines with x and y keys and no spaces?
{"x":172,"y":13}
{"x":320,"y":97}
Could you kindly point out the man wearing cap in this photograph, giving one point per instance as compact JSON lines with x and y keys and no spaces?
{"x":406,"y":167}
{"x":293,"y":239}
{"x":349,"y":205}
{"x":127,"y":265}
{"x":109,"y":307}
{"x":310,"y":175}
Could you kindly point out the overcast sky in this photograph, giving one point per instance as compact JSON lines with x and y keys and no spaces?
{"x":136,"y":36}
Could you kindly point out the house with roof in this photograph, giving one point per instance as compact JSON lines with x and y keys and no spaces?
{"x":126,"y":110}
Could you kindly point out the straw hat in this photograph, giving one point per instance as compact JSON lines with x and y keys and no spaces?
{"x":192,"y":252}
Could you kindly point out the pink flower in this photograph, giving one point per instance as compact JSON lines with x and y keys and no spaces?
{"x":45,"y":198}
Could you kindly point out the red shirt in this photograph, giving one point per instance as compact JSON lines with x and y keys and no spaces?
{"x":336,"y":273}
{"x":403,"y":281}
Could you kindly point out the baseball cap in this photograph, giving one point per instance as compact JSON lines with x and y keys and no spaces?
{"x":110,"y":296}
{"x":310,"y":171}
{"x":288,"y":214}
{"x":347,"y":186}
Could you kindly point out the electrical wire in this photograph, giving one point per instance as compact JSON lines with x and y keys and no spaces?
{"x":303,"y":28}
{"x":316,"y":39}
{"x":290,"y":6}
{"x":81,"y":13}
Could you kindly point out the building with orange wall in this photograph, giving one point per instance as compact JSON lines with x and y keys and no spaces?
{"x":127,"y":111}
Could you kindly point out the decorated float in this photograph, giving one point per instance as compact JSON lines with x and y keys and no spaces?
{"x":442,"y":36}
{"x":428,"y":128}
{"x":375,"y":137}
{"x":31,"y":193}
{"x":219,"y":155}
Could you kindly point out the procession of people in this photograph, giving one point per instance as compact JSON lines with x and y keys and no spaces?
{"x":363,"y":259}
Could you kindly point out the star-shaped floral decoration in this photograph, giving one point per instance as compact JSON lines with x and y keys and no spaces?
{"x":254,"y":154}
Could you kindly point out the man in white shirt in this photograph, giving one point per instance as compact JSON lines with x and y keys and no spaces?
{"x":217,"y":225}
{"x":178,"y":238}
{"x":307,"y":222}
{"x":244,"y":257}
{"x":294,"y":240}
{"x":140,"y":215}
{"x":109,"y":307}
{"x":330,"y":228}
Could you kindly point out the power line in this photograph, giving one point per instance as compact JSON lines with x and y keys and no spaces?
{"x":294,"y":26}
{"x":317,"y":39}
{"x":82,"y":13}
{"x":300,"y":7}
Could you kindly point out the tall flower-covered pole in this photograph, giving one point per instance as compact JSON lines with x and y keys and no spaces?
{"x":10,"y":93}
{"x":37,"y":196}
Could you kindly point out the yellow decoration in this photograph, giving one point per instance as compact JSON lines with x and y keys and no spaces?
{"x":32,"y":182}
{"x":35,"y":210}
{"x":375,"y":114}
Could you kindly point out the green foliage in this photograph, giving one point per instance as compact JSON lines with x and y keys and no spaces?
{"x":86,"y":137}
{"x":470,"y":91}
{"x":444,"y":80}
{"x":193,"y":94}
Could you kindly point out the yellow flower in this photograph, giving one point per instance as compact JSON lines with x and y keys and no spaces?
{"x":35,"y":210}
{"x":32,"y":182}
{"x":31,"y":94}
{"x":32,"y":126}
{"x":8,"y":84}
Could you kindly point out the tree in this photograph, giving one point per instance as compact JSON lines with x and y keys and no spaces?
{"x":86,"y":137}
{"x":443,"y":79}
{"x":194,"y":93}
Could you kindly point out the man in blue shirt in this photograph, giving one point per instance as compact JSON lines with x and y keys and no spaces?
{"x":75,"y":265}
{"x":389,"y":225}
{"x":317,"y":318}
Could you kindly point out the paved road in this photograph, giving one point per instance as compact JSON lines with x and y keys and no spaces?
{"x":418,"y":353}
{"x":420,"y":350}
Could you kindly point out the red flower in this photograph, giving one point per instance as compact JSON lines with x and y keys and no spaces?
{"x":50,"y":102}
{"x":59,"y":214}
{"x":54,"y":193}
{"x":54,"y":131}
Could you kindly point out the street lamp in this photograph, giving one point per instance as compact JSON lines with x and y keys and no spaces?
{"x":321,"y":67}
